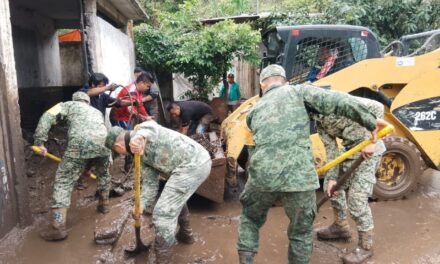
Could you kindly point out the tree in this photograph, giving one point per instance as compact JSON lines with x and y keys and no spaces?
{"x":176,"y":41}
{"x":203,"y":54}
{"x":388,"y":19}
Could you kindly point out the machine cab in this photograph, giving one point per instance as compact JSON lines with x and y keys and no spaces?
{"x":311,"y":52}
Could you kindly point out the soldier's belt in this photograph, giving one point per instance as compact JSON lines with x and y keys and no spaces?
{"x":385,"y":131}
{"x":37,"y":149}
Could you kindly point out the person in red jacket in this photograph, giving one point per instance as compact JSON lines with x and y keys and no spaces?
{"x":128,"y":116}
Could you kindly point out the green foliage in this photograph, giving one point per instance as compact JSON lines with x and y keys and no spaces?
{"x":174,"y":40}
{"x":221,"y":8}
{"x":393,"y":19}
{"x":205,"y":56}
{"x":388,"y":19}
{"x":153,"y":47}
{"x":202,"y":55}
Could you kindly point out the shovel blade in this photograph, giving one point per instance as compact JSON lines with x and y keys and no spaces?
{"x":139,"y":248}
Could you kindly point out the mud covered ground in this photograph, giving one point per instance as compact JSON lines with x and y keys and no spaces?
{"x":407,"y":231}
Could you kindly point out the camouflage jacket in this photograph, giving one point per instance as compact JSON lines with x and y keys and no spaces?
{"x":86,"y":134}
{"x":165,"y":149}
{"x":282,"y":159}
{"x":351,"y":133}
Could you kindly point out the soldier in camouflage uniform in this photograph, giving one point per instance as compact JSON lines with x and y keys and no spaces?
{"x":281,"y":162}
{"x":360,"y":185}
{"x":169,"y":152}
{"x":86,"y":138}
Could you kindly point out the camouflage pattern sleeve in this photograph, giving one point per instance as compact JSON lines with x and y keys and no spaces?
{"x":47,"y":120}
{"x":143,"y":130}
{"x":375,"y":107}
{"x":331,"y":102}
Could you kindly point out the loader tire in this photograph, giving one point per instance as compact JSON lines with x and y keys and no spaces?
{"x":398,"y":170}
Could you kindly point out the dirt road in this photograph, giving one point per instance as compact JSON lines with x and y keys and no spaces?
{"x":407,"y":232}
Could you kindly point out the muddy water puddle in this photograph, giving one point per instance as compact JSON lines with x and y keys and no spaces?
{"x":406,"y":232}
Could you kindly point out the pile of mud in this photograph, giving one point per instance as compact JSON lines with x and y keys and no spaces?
{"x":203,"y":139}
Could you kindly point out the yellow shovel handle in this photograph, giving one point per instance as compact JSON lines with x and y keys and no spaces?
{"x":383,"y":132}
{"x":37,"y":149}
{"x":137,"y":189}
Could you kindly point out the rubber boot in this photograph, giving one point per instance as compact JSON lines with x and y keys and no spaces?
{"x":185,"y":234}
{"x":56,"y":230}
{"x":161,"y":253}
{"x":339,"y":230}
{"x":364,"y":250}
{"x":104,"y":202}
{"x":246,"y":257}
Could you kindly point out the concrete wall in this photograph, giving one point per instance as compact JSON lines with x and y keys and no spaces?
{"x":116,"y":56}
{"x":26,"y":56}
{"x":13,"y":208}
{"x":72,"y":64}
{"x":36,"y":49}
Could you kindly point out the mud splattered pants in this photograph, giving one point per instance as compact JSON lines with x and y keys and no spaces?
{"x":358,"y":188}
{"x":68,"y":172}
{"x":182,"y":183}
{"x":300,"y":207}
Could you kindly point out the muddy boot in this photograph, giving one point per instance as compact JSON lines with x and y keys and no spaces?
{"x":363,"y":251}
{"x":185,"y":234}
{"x":161,"y":253}
{"x":104,"y":202}
{"x":339,"y":230}
{"x":246,"y":257}
{"x":56,"y":230}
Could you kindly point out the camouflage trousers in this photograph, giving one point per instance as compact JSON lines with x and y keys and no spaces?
{"x":182,"y":183}
{"x":300,"y":207}
{"x":358,"y":189}
{"x":70,"y":169}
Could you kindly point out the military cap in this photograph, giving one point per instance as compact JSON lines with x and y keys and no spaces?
{"x":80,"y":96}
{"x":112,"y":134}
{"x":272,"y":70}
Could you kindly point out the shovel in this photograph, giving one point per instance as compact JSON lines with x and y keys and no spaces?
{"x":139,"y":247}
{"x":321,"y":171}
{"x":382,"y":133}
{"x":343,"y":179}
{"x":37,"y":149}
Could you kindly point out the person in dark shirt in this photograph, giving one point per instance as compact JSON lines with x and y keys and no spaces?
{"x":150,"y":100}
{"x":193,"y":116}
{"x":96,"y":88}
